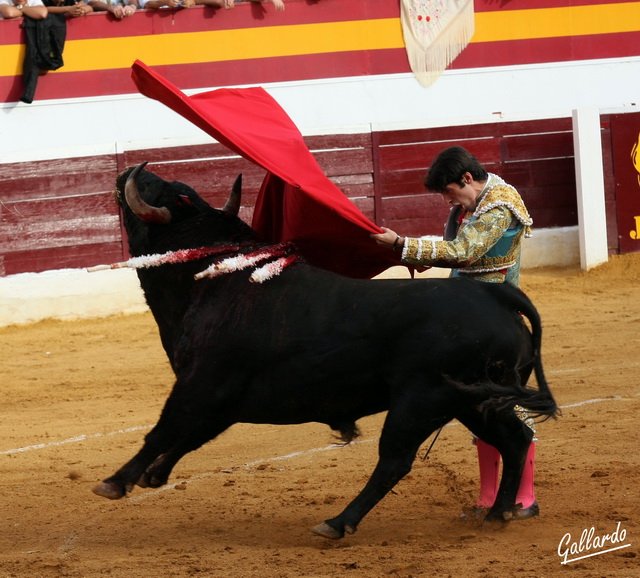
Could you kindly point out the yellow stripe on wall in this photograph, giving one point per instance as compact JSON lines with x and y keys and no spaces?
{"x":219,"y":45}
{"x":254,"y":43}
{"x":557,"y":22}
{"x":241,"y":44}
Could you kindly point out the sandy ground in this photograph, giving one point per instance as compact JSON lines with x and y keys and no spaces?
{"x":78,"y":397}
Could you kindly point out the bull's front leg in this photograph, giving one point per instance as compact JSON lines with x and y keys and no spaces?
{"x":122,"y":482}
{"x":174,"y":425}
{"x":187,"y":422}
{"x":157,"y":474}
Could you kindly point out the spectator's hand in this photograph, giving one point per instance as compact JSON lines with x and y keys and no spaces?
{"x":117,"y":11}
{"x":228,"y":4}
{"x":129,"y":10}
{"x":279,"y":4}
{"x":77,"y":10}
{"x":188,"y":3}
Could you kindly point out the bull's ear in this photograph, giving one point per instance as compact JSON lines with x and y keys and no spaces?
{"x":232,"y":205}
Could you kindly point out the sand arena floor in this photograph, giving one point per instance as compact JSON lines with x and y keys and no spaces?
{"x":78,"y":397}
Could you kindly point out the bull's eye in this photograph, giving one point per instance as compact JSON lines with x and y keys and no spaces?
{"x":184,"y":200}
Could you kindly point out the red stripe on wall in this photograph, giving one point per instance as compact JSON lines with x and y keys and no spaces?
{"x":545,"y":50}
{"x":205,"y":18}
{"x":188,"y":76}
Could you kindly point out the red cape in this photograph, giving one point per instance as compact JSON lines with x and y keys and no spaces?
{"x":296,"y":202}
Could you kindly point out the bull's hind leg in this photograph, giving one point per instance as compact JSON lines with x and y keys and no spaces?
{"x":512,"y":438}
{"x":405,"y":429}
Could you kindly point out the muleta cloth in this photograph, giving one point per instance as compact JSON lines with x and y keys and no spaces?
{"x":435,"y":33}
{"x":297,"y":202}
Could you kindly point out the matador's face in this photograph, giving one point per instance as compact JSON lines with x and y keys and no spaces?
{"x":465,"y":196}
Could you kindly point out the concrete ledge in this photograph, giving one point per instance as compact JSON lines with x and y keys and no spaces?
{"x":559,"y":247}
{"x":69,"y":294}
{"x":78,"y":294}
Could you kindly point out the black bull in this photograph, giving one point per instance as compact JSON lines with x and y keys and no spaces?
{"x":313,"y":346}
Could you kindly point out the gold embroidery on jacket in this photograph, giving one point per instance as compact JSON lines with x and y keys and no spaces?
{"x":499,"y":204}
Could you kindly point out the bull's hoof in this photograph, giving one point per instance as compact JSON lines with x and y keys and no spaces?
{"x":154,"y":476}
{"x":474,"y":514}
{"x":525,"y":513}
{"x":143,"y":482}
{"x":148,"y":480}
{"x":109,"y":490}
{"x":496,"y":519}
{"x":327,"y":531}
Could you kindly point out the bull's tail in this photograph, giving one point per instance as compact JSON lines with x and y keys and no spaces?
{"x":540,"y":402}
{"x":497,"y":398}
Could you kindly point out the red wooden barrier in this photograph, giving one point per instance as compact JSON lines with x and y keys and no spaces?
{"x":58,"y":214}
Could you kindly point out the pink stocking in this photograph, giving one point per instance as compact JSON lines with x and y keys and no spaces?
{"x":526,"y":495}
{"x":489,"y":462}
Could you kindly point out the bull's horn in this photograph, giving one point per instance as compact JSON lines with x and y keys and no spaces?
{"x":233,"y":202}
{"x":146,"y":212}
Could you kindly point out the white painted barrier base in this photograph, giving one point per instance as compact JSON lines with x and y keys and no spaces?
{"x":69,"y":294}
{"x":78,"y":294}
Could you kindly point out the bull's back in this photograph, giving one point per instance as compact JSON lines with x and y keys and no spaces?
{"x":309,"y":316}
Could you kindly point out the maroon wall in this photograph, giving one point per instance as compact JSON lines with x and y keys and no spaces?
{"x":625,"y":153}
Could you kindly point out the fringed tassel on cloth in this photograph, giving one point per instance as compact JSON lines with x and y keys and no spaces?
{"x":435,"y":33}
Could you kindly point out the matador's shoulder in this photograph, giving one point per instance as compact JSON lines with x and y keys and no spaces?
{"x":504,"y":195}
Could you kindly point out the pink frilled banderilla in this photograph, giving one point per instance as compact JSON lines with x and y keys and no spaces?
{"x":272,"y":259}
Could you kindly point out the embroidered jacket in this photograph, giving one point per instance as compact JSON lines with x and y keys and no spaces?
{"x":486,"y":244}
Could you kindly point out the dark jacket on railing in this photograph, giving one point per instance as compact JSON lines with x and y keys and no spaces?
{"x":44,"y":44}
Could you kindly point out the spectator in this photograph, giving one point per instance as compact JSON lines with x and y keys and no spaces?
{"x":17,"y":8}
{"x":279,"y":4}
{"x":157,"y":4}
{"x":67,"y":8}
{"x":117,"y":8}
{"x":45,"y":41}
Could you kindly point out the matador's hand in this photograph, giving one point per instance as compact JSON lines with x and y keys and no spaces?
{"x":389,"y":239}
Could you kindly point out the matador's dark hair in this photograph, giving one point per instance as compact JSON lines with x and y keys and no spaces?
{"x":449,"y":166}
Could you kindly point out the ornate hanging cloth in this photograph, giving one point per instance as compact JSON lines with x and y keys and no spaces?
{"x":435,"y":33}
